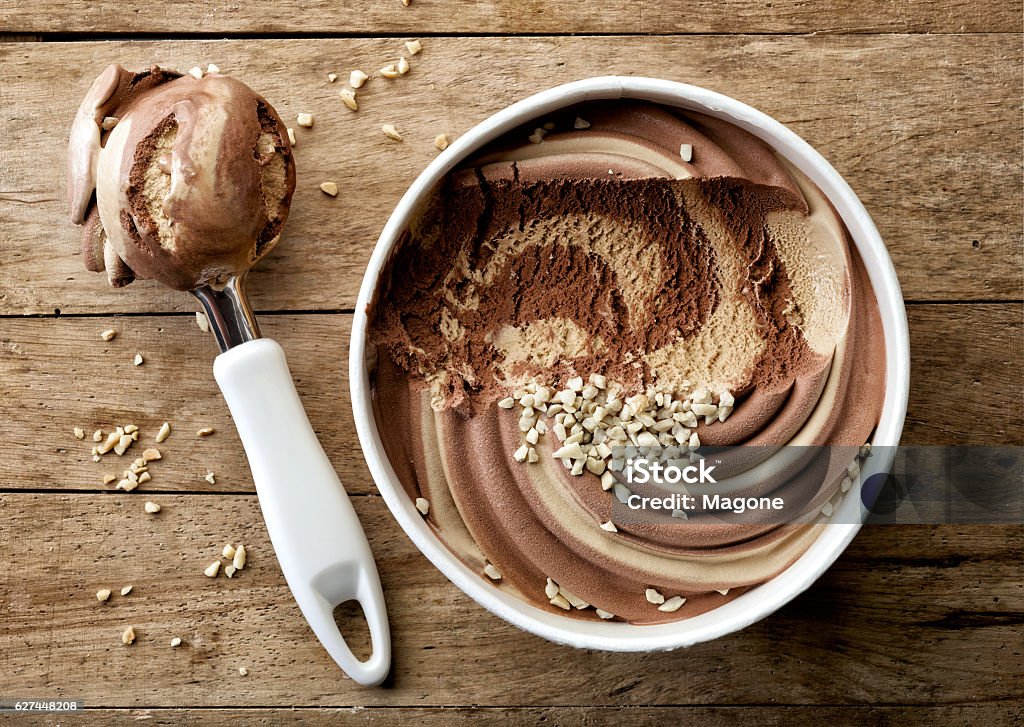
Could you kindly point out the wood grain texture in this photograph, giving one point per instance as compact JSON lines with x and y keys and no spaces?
{"x":907,"y":616}
{"x":56,"y":374}
{"x":368,"y":17}
{"x":927,"y":129}
{"x":968,"y":714}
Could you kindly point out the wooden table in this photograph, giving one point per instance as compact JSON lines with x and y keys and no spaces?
{"x":917,"y":103}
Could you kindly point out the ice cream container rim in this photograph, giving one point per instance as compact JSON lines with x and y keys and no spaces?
{"x":774,"y":593}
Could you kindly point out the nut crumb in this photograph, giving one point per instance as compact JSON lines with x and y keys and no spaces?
{"x":103,"y":594}
{"x":391,"y":132}
{"x":128,"y":637}
{"x":240,"y":556}
{"x":109,"y":122}
{"x":389,"y":71}
{"x":332,"y":77}
{"x":138,"y":359}
{"x":329,"y":188}
{"x":305,"y":120}
{"x":243,"y":671}
{"x":609,"y":526}
{"x":210,"y":478}
{"x":672,"y":604}
{"x":126,"y":590}
{"x":151,"y":454}
{"x":152,"y":507}
{"x":202,"y":321}
{"x":205,"y":432}
{"x":403,"y":65}
{"x":211,"y":68}
{"x":144,"y":478}
{"x":196,"y":72}
{"x":97,"y":436}
{"x":491,"y":572}
{"x":686,"y":152}
{"x":538,"y":135}
{"x":348,"y":97}
{"x":108,"y":335}
{"x":107,"y":479}
{"x":229,"y":570}
{"x":79,"y":433}
{"x":165,"y":431}
{"x":653,"y":596}
{"x":441,"y":142}
{"x":291,"y":136}
{"x":175,"y":642}
{"x":212,"y":569}
{"x":414,"y":47}
{"x":423,"y":505}
{"x":228,"y":551}
{"x":357,"y":78}
{"x":580,"y":124}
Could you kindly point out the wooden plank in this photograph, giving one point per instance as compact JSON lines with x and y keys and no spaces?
{"x":908,"y":616}
{"x":56,"y":374}
{"x":927,"y":129}
{"x":365,"y":17}
{"x":990,"y":714}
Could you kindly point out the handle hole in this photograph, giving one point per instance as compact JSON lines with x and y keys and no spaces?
{"x":351,"y":622}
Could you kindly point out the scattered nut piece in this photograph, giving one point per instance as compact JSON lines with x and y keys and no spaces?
{"x":602,"y":614}
{"x":441,"y":142}
{"x":126,"y":590}
{"x":229,"y":570}
{"x":144,"y":477}
{"x":491,"y":572}
{"x":108,"y":335}
{"x":138,"y":359}
{"x":128,"y":636}
{"x":107,"y":479}
{"x":151,"y":454}
{"x":103,"y":594}
{"x":97,"y":436}
{"x":239,"y":560}
{"x":653,"y":596}
{"x":423,"y":505}
{"x":211,"y":68}
{"x":329,"y":188}
{"x":210,"y":478}
{"x":175,"y":642}
{"x":550,"y":589}
{"x":413,"y":46}
{"x":403,"y":65}
{"x":538,"y":135}
{"x":672,"y":604}
{"x":406,"y":2}
{"x":228,"y":551}
{"x":152,"y":507}
{"x":609,"y":526}
{"x":560,"y":601}
{"x":165,"y":430}
{"x":389,"y":71}
{"x":205,"y":432}
{"x":686,"y":152}
{"x":127,"y":485}
{"x":332,"y":77}
{"x":348,"y":97}
{"x":79,"y":433}
{"x":291,"y":136}
{"x":202,"y":321}
{"x":391,"y":132}
{"x":305,"y":120}
{"x":580,"y":124}
{"x":196,"y":72}
{"x":212,"y":569}
{"x":356,"y":79}
{"x":129,"y":428}
{"x":109,"y":122}
{"x":243,"y":671}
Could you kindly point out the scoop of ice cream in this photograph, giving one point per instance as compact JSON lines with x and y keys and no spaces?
{"x":664,"y":254}
{"x":178,"y":179}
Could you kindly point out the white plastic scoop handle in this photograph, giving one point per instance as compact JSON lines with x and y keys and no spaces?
{"x":317,"y":537}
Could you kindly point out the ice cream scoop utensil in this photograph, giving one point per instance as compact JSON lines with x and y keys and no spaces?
{"x":316,"y":534}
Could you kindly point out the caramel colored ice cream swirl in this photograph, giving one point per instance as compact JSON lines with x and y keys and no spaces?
{"x":179,"y":179}
{"x":600,"y":250}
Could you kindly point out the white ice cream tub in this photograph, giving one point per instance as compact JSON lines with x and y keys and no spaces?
{"x":758,"y":602}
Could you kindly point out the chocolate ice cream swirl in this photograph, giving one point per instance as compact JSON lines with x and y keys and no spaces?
{"x":600,"y":250}
{"x":179,"y":179}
